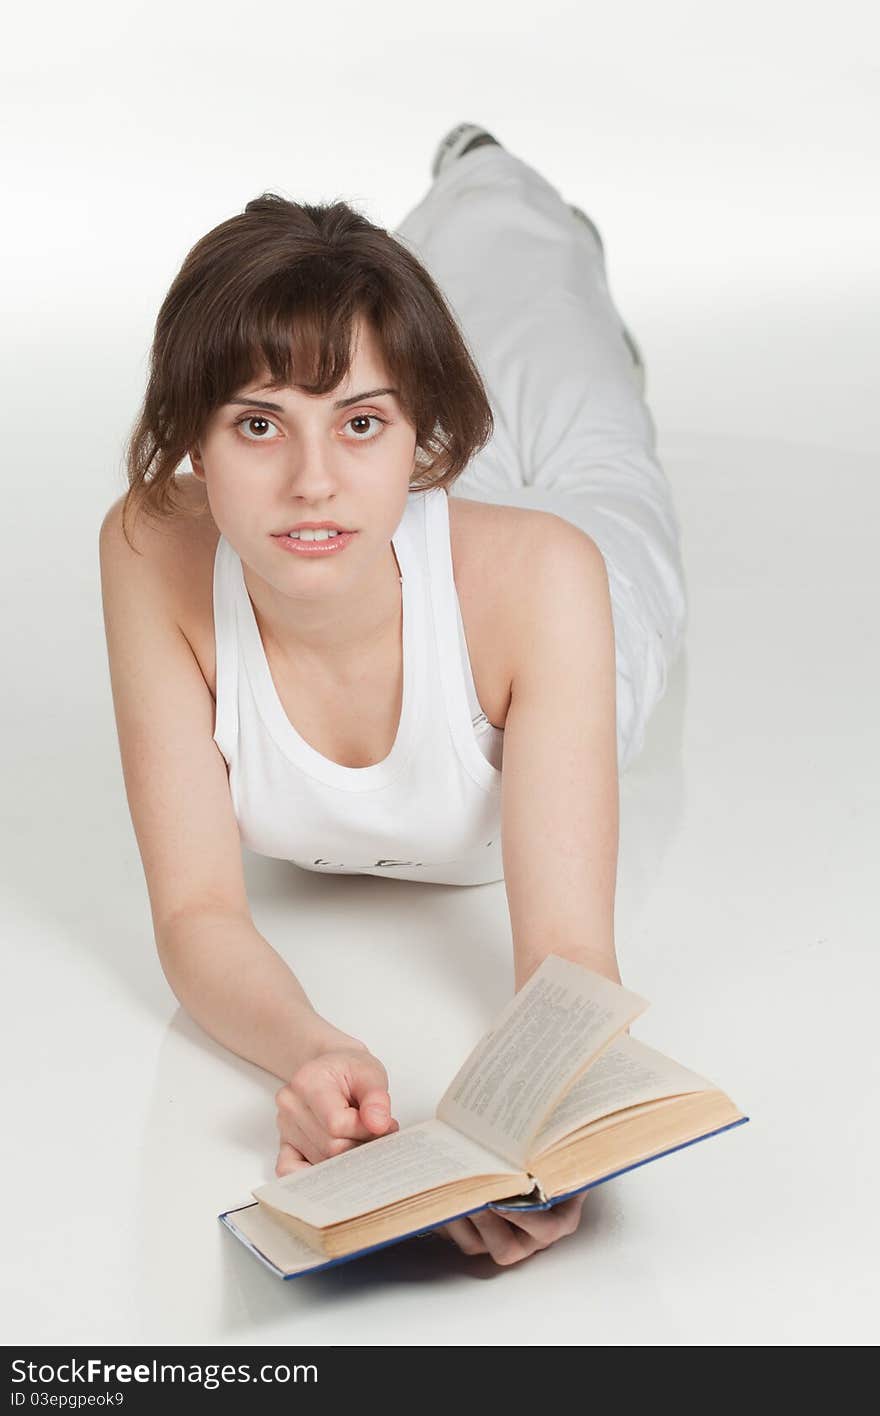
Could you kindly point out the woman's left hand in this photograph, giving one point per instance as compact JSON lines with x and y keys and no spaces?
{"x":513,"y":1236}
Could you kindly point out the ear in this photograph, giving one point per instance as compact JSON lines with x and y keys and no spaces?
{"x":196,"y":463}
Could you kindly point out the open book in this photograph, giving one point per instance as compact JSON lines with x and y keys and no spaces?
{"x":555,"y":1098}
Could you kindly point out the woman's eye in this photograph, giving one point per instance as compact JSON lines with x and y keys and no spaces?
{"x":255,"y":418}
{"x":367,"y":418}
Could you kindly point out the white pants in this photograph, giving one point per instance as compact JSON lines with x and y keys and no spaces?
{"x":573,"y":434}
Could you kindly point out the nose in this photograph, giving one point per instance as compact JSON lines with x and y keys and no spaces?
{"x":310,"y":466}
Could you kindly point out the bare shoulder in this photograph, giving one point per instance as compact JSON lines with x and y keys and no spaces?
{"x":511,"y":523}
{"x":514,"y":567}
{"x":475,"y":518}
{"x":151,"y":536}
{"x":503,"y":552}
{"x":480,"y":530}
{"x":169,"y":553}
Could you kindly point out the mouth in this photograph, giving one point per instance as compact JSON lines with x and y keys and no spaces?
{"x":333,"y":530}
{"x":320,"y":542}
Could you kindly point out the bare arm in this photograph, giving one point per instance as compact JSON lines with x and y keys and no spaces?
{"x":240,"y":990}
{"x":560,"y":783}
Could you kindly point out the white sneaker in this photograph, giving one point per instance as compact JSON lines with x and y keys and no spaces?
{"x":457,"y":142}
{"x":634,"y":349}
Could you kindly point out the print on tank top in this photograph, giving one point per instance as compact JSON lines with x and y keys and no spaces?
{"x":341,"y":865}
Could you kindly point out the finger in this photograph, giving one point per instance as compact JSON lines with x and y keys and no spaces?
{"x":375,"y":1112}
{"x":369,"y":1090}
{"x":290,"y":1159}
{"x":506,"y":1243}
{"x":338,"y":1101}
{"x":331,"y":1109}
{"x":465,"y":1236}
{"x":298,"y":1125}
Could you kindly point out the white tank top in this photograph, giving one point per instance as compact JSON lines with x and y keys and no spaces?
{"x":431,"y":809}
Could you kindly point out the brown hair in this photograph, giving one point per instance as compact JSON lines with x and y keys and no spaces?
{"x":279,"y":287}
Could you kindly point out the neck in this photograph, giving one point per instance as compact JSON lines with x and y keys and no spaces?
{"x":331,"y":634}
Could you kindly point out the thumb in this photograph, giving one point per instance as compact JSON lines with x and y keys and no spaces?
{"x":372,"y":1100}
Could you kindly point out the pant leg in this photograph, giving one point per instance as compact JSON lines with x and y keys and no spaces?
{"x":573,"y":434}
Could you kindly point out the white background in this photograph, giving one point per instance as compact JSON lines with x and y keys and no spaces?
{"x":729,"y":156}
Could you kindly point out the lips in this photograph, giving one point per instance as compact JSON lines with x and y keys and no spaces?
{"x":314,"y":526}
{"x":320,"y":549}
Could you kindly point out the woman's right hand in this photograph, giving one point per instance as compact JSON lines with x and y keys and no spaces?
{"x":331,"y":1103}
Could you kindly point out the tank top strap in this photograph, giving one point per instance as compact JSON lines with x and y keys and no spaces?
{"x":477,"y":714}
{"x":437,"y":529}
{"x":465,"y":715}
{"x":225,"y":649}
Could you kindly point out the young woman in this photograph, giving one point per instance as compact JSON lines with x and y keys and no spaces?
{"x":460,"y":404}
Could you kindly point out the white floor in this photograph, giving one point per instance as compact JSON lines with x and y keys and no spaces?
{"x":747,"y":903}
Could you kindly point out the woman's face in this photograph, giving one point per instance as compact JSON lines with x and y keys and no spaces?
{"x":273,"y":458}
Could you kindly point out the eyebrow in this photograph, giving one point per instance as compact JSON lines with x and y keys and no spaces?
{"x":341,"y":403}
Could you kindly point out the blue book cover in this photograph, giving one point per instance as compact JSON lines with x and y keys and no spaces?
{"x":275,"y":1239}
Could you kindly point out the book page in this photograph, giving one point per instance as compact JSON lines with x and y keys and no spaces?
{"x":548,"y":1033}
{"x":380,"y":1172}
{"x":627,"y":1073}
